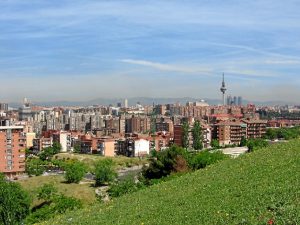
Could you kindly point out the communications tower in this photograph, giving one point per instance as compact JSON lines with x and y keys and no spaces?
{"x":223,"y":90}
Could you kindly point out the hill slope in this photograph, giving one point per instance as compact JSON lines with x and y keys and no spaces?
{"x":259,"y":188}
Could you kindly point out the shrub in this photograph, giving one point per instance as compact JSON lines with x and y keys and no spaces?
{"x":215,"y":143}
{"x":128,"y":185}
{"x":254,"y":144}
{"x":64,"y":203}
{"x":104,"y":172}
{"x":74,"y":172}
{"x":57,"y":205}
{"x":56,"y":147}
{"x":47,"y":192}
{"x":166,"y":162}
{"x":205,"y":158}
{"x":46,"y":154}
{"x":243,"y":142}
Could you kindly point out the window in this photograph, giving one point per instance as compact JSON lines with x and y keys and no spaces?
{"x":9,"y":167}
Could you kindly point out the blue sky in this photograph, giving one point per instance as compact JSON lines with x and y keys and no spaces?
{"x":84,"y":49}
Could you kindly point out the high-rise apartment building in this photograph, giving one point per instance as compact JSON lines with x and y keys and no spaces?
{"x":229,"y":100}
{"x":126,"y":103}
{"x":240,"y":100}
{"x":3,"y":107}
{"x":12,"y":150}
{"x":234,"y":100}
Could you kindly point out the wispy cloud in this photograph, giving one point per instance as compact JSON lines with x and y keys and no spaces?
{"x":168,"y":67}
{"x":283,"y":62}
{"x":207,"y":70}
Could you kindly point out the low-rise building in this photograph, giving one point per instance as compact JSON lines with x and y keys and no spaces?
{"x":40,"y":143}
{"x":230,"y":132}
{"x":29,"y":139}
{"x":255,"y":128}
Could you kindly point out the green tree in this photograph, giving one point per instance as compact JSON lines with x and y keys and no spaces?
{"x":243,"y":142}
{"x":34,"y":167}
{"x":28,"y":152}
{"x":197,"y":136}
{"x":14,"y":202}
{"x":46,"y":154}
{"x":75,"y":171}
{"x":271,"y":134}
{"x":104,"y":172}
{"x":185,"y":135}
{"x":215,"y":143}
{"x":77,"y":148}
{"x":56,"y":146}
{"x":173,"y":159}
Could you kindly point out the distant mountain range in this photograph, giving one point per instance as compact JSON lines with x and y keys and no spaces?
{"x":143,"y":101}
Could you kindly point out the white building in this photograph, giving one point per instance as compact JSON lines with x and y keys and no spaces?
{"x":141,"y":147}
{"x":65,"y":141}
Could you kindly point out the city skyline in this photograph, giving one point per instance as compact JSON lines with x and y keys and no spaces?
{"x":82,"y":50}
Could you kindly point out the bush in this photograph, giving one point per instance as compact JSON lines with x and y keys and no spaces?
{"x":174,"y":159}
{"x":243,"y":142}
{"x":47,"y":192}
{"x":205,"y":158}
{"x":14,"y":202}
{"x":254,"y":144}
{"x":215,"y":143}
{"x":286,"y":133}
{"x":75,"y":171}
{"x":46,"y":154}
{"x":59,"y":204}
{"x":64,"y":203}
{"x":125,"y":186}
{"x":34,"y":167}
{"x":56,"y":147}
{"x":104,"y":172}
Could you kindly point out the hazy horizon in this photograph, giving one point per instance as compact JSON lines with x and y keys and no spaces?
{"x":82,"y":50}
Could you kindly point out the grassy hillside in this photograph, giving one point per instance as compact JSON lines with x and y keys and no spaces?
{"x":259,"y":188}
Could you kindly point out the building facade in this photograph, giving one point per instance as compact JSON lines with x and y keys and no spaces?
{"x":12,"y":150}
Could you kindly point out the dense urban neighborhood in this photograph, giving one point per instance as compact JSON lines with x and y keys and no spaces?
{"x":131,"y":131}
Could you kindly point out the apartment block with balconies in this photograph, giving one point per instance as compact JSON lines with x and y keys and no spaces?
{"x":12,"y":150}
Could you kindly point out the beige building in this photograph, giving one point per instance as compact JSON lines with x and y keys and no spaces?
{"x":29,"y":139}
{"x":107,"y":147}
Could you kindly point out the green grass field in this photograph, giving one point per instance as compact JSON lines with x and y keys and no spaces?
{"x":85,"y":191}
{"x":258,"y":188}
{"x":120,"y":161}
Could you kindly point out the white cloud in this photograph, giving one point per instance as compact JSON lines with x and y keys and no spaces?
{"x":283,"y":62}
{"x":208,"y":70}
{"x":168,"y":67}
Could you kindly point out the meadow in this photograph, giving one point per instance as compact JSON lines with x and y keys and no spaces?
{"x":257,"y":188}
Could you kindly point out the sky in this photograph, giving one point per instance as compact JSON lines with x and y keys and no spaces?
{"x":88,"y":49}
